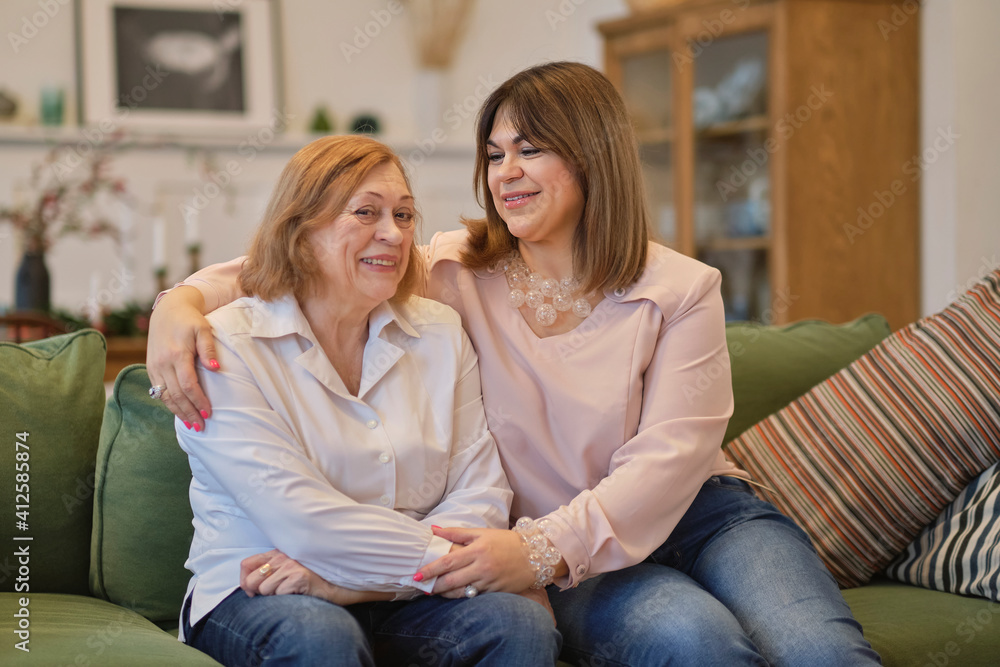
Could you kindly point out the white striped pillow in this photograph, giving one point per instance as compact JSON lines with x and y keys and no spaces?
{"x":960,"y":551}
{"x":870,"y":456}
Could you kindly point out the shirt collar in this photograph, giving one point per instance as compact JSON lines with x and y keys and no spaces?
{"x":273,"y":319}
{"x":651,"y":282}
{"x":385,"y":313}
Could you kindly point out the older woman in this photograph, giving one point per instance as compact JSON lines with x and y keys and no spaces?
{"x":347,"y":420}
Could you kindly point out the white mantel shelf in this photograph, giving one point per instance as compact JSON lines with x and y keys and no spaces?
{"x":287,"y":143}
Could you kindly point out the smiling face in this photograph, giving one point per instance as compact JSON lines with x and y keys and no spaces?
{"x":534,"y":190}
{"x":363,"y":252}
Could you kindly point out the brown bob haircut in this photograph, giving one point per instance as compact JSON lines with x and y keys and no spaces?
{"x":573,"y":111}
{"x":313,"y":189}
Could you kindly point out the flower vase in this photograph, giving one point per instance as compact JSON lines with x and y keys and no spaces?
{"x":33,"y":288}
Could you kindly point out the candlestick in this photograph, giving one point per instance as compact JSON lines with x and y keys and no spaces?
{"x":191,"y":216}
{"x":161,"y":280}
{"x":194,"y":255}
{"x":93,"y":306}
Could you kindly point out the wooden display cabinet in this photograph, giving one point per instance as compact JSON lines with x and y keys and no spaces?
{"x":779,"y":141}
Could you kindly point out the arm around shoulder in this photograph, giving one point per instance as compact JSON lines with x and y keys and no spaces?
{"x":179,"y":335}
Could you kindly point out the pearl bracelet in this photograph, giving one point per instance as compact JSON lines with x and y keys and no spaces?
{"x":542,"y":556}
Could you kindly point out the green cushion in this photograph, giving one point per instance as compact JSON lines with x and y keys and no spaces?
{"x":910,"y":626}
{"x":142,"y":516}
{"x":53,"y":391}
{"x":78,"y":630}
{"x":774,"y":365}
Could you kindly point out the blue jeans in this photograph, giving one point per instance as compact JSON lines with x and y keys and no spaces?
{"x":737,"y":583}
{"x":490,"y":629}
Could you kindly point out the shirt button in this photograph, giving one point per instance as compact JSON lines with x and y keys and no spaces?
{"x":581,"y":570}
{"x":620,"y":292}
{"x":384,"y":458}
{"x":371,"y":423}
{"x":385,"y":499}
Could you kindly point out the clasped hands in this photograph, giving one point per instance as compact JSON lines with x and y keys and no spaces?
{"x":490,"y":559}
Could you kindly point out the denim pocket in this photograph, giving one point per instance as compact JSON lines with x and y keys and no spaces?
{"x":735,"y":483}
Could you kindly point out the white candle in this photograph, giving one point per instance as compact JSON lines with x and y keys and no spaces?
{"x":125,"y":225}
{"x":191,"y":225}
{"x":20,"y":195}
{"x":159,"y":244}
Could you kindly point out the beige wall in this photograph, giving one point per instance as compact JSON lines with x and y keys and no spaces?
{"x":961,"y":197}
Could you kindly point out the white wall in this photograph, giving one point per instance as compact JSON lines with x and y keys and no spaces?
{"x":961,"y":201}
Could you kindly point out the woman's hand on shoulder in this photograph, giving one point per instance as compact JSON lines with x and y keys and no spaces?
{"x":178,"y":332}
{"x":491,"y":560}
{"x":274,"y":573}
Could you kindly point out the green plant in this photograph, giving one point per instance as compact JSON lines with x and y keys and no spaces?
{"x":132,"y":319}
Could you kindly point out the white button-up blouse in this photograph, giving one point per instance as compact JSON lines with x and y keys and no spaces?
{"x":348,"y":486}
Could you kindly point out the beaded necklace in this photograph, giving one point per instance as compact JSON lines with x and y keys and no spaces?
{"x":532,"y":288}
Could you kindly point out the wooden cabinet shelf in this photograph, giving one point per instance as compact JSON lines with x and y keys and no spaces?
{"x":655,"y":136}
{"x":735,"y":244}
{"x":766,"y":129}
{"x":735,"y":127}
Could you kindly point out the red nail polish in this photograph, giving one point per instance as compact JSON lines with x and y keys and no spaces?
{"x":418,"y":576}
{"x":213,"y":364}
{"x":204,"y":414}
{"x":436,"y":527}
{"x":188,"y":424}
{"x":197,"y":428}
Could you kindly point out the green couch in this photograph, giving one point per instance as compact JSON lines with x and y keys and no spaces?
{"x":110,"y":522}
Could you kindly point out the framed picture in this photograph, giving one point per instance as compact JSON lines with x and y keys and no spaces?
{"x":177,"y":65}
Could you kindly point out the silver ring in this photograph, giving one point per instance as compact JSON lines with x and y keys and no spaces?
{"x":156,"y":391}
{"x":471,"y":591}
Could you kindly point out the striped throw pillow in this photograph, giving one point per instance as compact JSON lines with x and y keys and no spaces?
{"x":960,"y":551}
{"x":870,"y":456}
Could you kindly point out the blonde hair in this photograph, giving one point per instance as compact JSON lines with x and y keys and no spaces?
{"x":573,"y":111}
{"x":313,"y":188}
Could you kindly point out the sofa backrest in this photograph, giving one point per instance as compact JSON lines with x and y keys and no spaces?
{"x":774,"y":365}
{"x":51,"y":393}
{"x":142,"y":515}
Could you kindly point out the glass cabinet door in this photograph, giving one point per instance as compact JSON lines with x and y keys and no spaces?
{"x":732,"y":203}
{"x":648,"y":92}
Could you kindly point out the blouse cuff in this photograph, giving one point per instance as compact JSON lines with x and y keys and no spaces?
{"x":437,"y":548}
{"x":573,"y":550}
{"x":208,"y":292}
